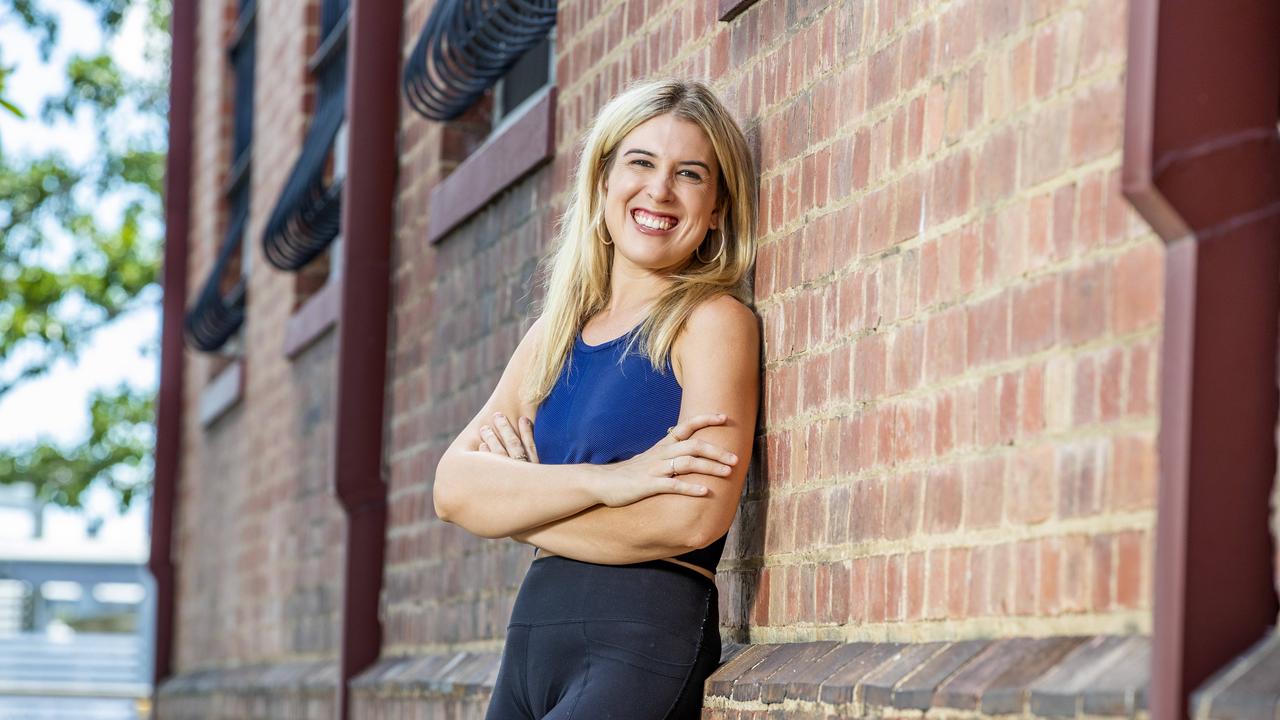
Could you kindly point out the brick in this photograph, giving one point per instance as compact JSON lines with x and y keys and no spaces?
{"x":1079,"y":480}
{"x":1084,"y":303}
{"x":867,"y":509}
{"x":1031,"y":486}
{"x":1035,"y":315}
{"x":1103,"y":564}
{"x":906,"y":358}
{"x":724,"y":680}
{"x":1058,"y":692}
{"x":903,"y":500}
{"x":895,"y":597}
{"x":1131,"y":569}
{"x":915,"y":692}
{"x":1138,"y":292}
{"x":987,"y":330}
{"x":984,"y":493}
{"x":1096,"y":128}
{"x":844,"y":685}
{"x":807,"y":679}
{"x":1008,"y":693}
{"x":877,"y":686}
{"x":943,"y":500}
{"x":945,"y":344}
{"x":877,"y":589}
{"x":1132,"y":479}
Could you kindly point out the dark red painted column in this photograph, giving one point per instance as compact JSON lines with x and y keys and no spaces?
{"x":1202,"y":164}
{"x":177,"y":208}
{"x":368,"y":225}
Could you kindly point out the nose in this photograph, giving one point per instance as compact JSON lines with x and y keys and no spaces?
{"x":659,"y":188}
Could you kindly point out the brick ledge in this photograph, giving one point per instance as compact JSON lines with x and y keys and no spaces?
{"x":1247,"y":687}
{"x":317,"y":677}
{"x":445,"y":674}
{"x":1059,"y":677}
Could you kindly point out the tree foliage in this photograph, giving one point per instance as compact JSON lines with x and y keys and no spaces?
{"x":67,"y":266}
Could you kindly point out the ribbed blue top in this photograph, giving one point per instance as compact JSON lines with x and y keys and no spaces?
{"x":605,"y":408}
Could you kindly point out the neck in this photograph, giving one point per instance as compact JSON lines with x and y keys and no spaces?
{"x":631,"y":289}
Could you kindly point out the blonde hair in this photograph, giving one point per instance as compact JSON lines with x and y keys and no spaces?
{"x":577,"y":285}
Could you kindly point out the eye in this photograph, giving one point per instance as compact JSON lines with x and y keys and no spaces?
{"x":642,"y":162}
{"x":692,"y":175}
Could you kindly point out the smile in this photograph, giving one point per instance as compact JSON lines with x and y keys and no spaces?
{"x":651,"y":221}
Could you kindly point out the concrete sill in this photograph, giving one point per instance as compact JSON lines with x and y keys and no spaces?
{"x":222,"y":393}
{"x":510,"y":155}
{"x":317,"y":316}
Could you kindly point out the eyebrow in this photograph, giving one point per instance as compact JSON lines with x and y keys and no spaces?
{"x":638,"y":151}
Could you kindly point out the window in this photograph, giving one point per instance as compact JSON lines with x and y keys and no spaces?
{"x":308,"y":214}
{"x":218,"y":312}
{"x":487,"y":69}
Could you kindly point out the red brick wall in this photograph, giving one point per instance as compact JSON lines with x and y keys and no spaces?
{"x":259,"y":538}
{"x":960,"y":312}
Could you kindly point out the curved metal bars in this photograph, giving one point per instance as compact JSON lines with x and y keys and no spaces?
{"x":466,"y":46}
{"x":308,"y":215}
{"x":214,"y":318}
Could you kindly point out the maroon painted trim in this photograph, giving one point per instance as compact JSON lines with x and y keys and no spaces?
{"x":519,"y":148}
{"x":368,"y":224}
{"x":730,"y":9}
{"x":1199,"y":164}
{"x":177,"y":217}
{"x":222,"y":393}
{"x":317,"y":316}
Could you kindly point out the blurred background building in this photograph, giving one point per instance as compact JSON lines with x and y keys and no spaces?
{"x":76,"y":623}
{"x":1017,"y":284}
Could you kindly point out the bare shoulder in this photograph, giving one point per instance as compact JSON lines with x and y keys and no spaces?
{"x":719,"y":330}
{"x":722,"y":311}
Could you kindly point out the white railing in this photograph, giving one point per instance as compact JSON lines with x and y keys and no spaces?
{"x":99,"y":675}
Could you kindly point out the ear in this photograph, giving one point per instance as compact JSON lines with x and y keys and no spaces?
{"x":715,"y":219}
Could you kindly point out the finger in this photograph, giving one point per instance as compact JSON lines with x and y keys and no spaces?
{"x":682,"y":431}
{"x":495,"y":444}
{"x":483,"y":447}
{"x":526,"y":435}
{"x":701,"y":448}
{"x":706,"y":467}
{"x":681,"y":487}
{"x":510,"y":439}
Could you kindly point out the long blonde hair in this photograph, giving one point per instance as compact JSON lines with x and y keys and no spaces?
{"x":577,"y":285}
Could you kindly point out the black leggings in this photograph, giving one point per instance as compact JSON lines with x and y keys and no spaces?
{"x":628,"y":642}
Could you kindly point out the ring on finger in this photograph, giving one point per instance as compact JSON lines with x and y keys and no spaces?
{"x":673,"y":468}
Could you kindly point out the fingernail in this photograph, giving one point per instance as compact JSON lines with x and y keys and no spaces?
{"x":723,"y":416}
{"x":733,"y":458}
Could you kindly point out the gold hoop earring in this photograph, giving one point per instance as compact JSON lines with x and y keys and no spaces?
{"x":697,"y":252}
{"x":606,"y":241}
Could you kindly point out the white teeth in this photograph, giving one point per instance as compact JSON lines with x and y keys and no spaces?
{"x":653,"y":223}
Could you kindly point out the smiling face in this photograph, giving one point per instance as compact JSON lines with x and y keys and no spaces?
{"x":660,"y":194}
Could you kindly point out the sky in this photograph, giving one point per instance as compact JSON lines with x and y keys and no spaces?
{"x":56,"y":406}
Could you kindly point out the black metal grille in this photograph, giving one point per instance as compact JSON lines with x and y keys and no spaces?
{"x":217,"y":315}
{"x":308,"y":215}
{"x":218,"y":312}
{"x":466,"y":46}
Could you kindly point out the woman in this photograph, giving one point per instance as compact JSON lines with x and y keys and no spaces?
{"x":642,"y":373}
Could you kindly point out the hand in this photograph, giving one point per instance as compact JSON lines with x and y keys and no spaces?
{"x":505,"y":441}
{"x":655,"y":470}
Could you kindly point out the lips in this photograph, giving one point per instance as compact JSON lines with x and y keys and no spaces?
{"x":655,"y":222}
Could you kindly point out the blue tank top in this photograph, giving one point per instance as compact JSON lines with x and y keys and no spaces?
{"x":605,"y":408}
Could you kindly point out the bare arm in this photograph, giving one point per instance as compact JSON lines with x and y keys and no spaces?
{"x":718,"y":360}
{"x":496,"y":496}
